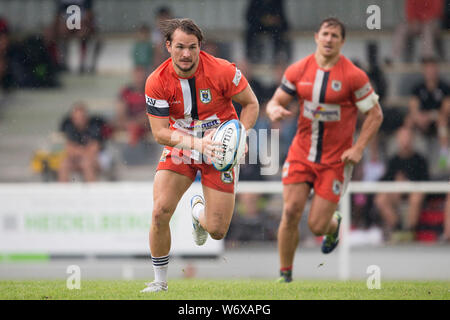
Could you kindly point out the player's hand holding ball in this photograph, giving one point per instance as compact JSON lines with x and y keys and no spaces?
{"x":210,"y":148}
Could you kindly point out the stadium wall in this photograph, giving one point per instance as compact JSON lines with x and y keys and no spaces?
{"x":213,"y":15}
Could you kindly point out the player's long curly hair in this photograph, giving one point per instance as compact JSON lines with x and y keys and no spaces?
{"x":188,"y":26}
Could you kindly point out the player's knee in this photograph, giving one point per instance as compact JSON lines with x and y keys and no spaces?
{"x":292,"y":213}
{"x":317,"y":229}
{"x":218,"y":234}
{"x":161,"y":213}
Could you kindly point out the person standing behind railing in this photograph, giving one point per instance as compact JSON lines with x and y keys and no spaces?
{"x":406,"y":165}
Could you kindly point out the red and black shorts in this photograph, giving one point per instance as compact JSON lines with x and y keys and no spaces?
{"x":172,"y":159}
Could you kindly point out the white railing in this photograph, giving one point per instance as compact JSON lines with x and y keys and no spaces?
{"x":31,"y":197}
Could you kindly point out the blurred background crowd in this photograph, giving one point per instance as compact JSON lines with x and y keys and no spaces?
{"x":72,"y":104}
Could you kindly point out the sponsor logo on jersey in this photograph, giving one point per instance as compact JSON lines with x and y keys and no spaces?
{"x":336,"y":85}
{"x":173,"y":100}
{"x":150,"y":101}
{"x":227,"y":177}
{"x":190,"y":124}
{"x":322,"y":111}
{"x":205,"y":95}
{"x":337,"y":186}
{"x":155,"y":103}
{"x":237,"y":77}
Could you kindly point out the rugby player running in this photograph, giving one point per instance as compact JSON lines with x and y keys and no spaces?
{"x":186,"y":95}
{"x":331,"y":90}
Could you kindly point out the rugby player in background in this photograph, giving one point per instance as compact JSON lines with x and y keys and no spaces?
{"x":331,"y":90}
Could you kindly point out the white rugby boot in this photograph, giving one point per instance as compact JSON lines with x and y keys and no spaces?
{"x":200,"y":235}
{"x":155,"y":287}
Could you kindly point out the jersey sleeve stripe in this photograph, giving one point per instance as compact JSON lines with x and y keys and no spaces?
{"x":287,"y":90}
{"x":153,"y":116}
{"x":288,"y":86}
{"x":159,"y":108}
{"x":159,"y":112}
{"x":367,"y":103}
{"x":363,"y":91}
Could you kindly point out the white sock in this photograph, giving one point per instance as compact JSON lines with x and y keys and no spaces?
{"x":197,"y":210}
{"x":160,"y":266}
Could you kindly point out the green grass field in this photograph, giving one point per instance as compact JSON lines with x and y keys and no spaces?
{"x":194,"y":289}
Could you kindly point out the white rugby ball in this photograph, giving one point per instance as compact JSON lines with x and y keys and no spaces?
{"x":232,"y":137}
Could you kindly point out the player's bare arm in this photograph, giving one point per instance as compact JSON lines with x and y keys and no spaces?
{"x":374,"y":118}
{"x":250,"y":107}
{"x":164,"y":136}
{"x":276,"y":107}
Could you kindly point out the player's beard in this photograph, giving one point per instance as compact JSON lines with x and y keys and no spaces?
{"x":186,"y":69}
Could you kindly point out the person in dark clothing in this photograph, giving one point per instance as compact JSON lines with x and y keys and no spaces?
{"x":267,"y":17}
{"x":429,"y":108}
{"x":84,"y":138}
{"x":87,"y":33}
{"x":406,"y":165}
{"x":6,"y":55}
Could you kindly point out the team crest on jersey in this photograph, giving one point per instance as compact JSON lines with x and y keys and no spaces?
{"x":205,"y":95}
{"x":336,"y":85}
{"x":227,"y":177}
{"x":337,"y":186}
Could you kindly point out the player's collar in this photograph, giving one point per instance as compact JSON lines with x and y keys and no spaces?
{"x":327,"y":69}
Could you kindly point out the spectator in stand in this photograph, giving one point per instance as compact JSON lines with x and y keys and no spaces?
{"x":446,"y":19}
{"x":49,"y":38}
{"x":142,"y":52}
{"x":406,"y":165}
{"x":422,"y":18}
{"x":159,"y":45}
{"x":132,"y":109}
{"x":429,"y":110}
{"x":87,"y":34}
{"x":84,"y":140}
{"x":6,"y":77}
{"x":267,"y":17}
